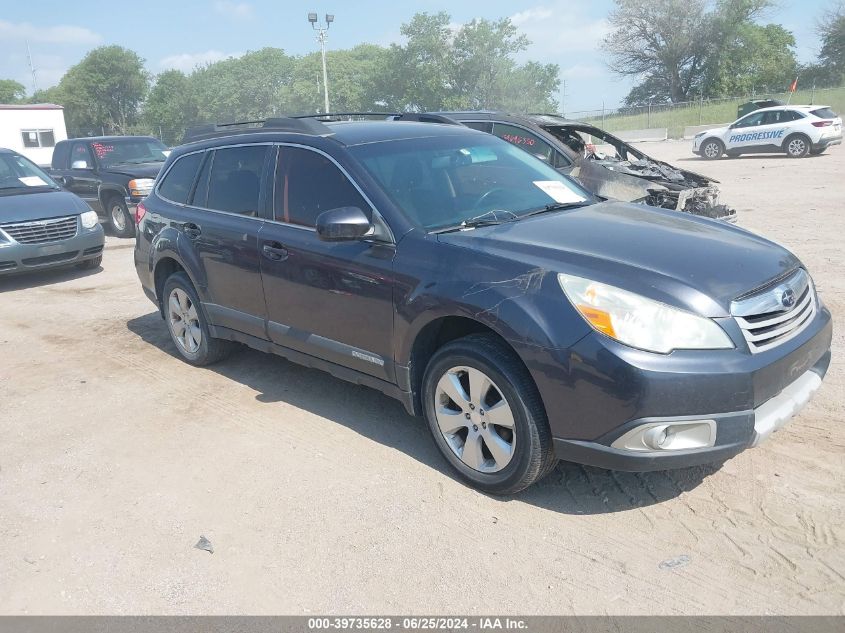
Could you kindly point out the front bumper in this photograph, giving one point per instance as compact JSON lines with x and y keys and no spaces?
{"x":605,"y":390}
{"x":17,"y":258}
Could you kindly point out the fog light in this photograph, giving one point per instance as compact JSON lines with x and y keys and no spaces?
{"x":668,"y":436}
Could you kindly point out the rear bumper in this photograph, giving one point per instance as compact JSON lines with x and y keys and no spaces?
{"x":828,"y":142}
{"x":18,"y":258}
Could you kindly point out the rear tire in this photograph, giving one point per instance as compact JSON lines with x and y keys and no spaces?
{"x":797,"y":146}
{"x":187,"y":324}
{"x":90,"y":264}
{"x":496,"y":410}
{"x":712,"y":149}
{"x":121,"y":221}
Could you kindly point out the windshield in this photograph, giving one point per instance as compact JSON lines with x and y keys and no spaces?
{"x":132,"y":152}
{"x":21,"y":174}
{"x":445,"y":181}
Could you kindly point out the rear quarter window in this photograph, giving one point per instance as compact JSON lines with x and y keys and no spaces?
{"x":824,"y":113}
{"x":177,"y":184}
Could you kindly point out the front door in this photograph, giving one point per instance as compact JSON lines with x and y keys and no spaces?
{"x":80,"y":178}
{"x":754,"y":131}
{"x":332,"y":300}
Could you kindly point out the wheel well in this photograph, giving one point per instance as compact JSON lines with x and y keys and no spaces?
{"x":712,"y":138}
{"x":434,"y":336}
{"x":164,"y":268}
{"x":108,"y":194}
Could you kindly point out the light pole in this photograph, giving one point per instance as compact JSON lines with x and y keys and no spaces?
{"x":321,"y":37}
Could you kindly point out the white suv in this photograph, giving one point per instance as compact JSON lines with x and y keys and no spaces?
{"x":797,"y":130}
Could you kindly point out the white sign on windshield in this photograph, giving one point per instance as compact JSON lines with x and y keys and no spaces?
{"x":32,"y":181}
{"x":558,"y":191}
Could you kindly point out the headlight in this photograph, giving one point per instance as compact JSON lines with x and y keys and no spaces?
{"x":640,"y":322}
{"x":141,"y":187}
{"x":89,"y":219}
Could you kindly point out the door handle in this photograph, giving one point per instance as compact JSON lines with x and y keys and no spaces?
{"x":191,"y":230}
{"x":66,"y":180}
{"x":274,"y":251}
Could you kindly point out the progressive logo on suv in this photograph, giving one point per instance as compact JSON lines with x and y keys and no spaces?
{"x":526,"y":320}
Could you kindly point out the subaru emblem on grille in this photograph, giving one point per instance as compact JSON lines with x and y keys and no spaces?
{"x":787,"y":299}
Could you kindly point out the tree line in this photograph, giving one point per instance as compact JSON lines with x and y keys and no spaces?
{"x":437,"y":67}
{"x":677,"y":50}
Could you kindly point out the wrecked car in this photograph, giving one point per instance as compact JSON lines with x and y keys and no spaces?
{"x":606,"y":165}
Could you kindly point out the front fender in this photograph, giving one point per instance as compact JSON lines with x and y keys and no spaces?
{"x":517,"y":308}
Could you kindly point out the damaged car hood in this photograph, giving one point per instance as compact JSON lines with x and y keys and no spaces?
{"x":660,"y":254}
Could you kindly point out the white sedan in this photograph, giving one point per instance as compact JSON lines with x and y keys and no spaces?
{"x":797,"y":130}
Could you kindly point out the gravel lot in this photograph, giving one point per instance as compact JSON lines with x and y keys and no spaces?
{"x":319,"y":496}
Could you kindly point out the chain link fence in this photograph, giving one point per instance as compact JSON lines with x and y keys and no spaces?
{"x":677,"y":116}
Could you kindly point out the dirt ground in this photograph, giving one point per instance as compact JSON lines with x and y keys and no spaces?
{"x":319,"y":496}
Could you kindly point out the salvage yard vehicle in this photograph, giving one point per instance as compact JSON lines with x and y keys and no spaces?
{"x":796,"y":130}
{"x":111,"y":173}
{"x":625,"y":173}
{"x":42,"y":226}
{"x":527,"y":320}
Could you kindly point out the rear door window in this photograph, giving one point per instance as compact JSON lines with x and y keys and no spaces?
{"x":234,"y":184}
{"x":81,"y":152}
{"x":177,"y":184}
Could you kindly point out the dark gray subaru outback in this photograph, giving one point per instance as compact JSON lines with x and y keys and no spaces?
{"x":527,"y":320}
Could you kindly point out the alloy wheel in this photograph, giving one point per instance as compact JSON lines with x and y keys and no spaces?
{"x":711,"y":150}
{"x":118,"y":218}
{"x":184,"y":321}
{"x":475,"y":419}
{"x":796,"y":147}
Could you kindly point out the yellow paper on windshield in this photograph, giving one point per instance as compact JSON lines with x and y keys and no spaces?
{"x":32,"y":181}
{"x":558,"y":191}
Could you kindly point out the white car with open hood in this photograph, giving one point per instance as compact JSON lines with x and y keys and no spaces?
{"x":798,"y":130}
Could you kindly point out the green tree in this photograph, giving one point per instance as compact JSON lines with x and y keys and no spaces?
{"x":243,"y":88}
{"x":472,"y":66}
{"x":832,"y":32}
{"x":674,"y":46}
{"x":756,"y":59}
{"x":357,"y":80}
{"x":11,"y":91}
{"x":171,"y":106}
{"x":104,"y":91}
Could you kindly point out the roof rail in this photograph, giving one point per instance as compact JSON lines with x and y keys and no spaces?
{"x":425,"y":117}
{"x":339,"y":116}
{"x":278,"y":124}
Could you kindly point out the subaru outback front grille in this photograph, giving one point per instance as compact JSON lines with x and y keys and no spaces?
{"x":41,"y":231}
{"x":776,"y":314}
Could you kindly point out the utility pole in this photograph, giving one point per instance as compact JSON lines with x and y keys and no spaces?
{"x":321,"y":38}
{"x":31,"y":68}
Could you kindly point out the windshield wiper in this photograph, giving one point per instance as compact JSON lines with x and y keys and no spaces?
{"x":481,"y":220}
{"x":555,"y":206}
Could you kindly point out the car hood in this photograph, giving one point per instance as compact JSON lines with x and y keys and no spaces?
{"x":716,"y":131}
{"x":141,"y":170}
{"x":40,"y":205}
{"x":693,"y":263}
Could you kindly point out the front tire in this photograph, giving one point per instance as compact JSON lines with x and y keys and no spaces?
{"x":121,"y":221}
{"x":486,"y":416}
{"x":797,"y":146}
{"x":187,"y":324}
{"x":712,"y":149}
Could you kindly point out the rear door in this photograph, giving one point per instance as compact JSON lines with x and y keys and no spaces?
{"x":332,"y":300}
{"x":221,"y":223}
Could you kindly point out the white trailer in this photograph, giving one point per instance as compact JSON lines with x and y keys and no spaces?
{"x":32,"y":129}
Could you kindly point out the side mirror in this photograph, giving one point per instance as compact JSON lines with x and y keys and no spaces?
{"x":79,"y":164}
{"x":342,"y":224}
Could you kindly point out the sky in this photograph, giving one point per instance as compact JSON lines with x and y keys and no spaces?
{"x":183,"y":33}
